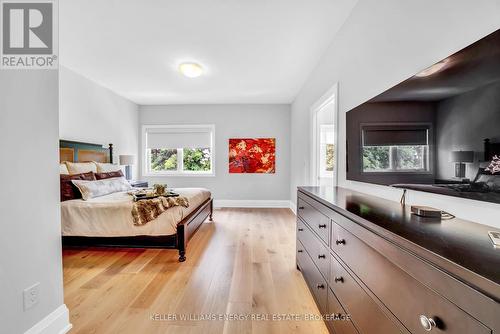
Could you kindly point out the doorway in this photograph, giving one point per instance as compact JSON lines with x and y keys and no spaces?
{"x":324,"y":139}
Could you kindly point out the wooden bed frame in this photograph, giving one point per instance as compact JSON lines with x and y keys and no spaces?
{"x":82,"y":152}
{"x":75,"y":151}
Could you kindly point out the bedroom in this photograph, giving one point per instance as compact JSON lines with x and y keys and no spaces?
{"x":266,"y":70}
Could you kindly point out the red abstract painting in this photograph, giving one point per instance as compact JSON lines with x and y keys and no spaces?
{"x":252,"y":155}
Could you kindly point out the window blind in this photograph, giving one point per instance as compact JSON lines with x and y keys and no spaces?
{"x":172,"y":138}
{"x":394,"y":135}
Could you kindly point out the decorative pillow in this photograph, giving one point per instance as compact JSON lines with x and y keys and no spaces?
{"x":108,"y":175}
{"x":106,"y":167}
{"x":63,"y":169}
{"x":68,"y":190}
{"x":92,"y":189}
{"x":81,"y":167}
{"x":480,"y":172}
{"x":492,"y":181}
{"x":494,"y":167}
{"x":485,"y":178}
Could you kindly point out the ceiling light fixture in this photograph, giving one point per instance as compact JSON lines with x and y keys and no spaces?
{"x":433,"y":69}
{"x":191,"y":70}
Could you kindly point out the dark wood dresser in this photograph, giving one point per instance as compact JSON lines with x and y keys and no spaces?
{"x":372,"y":267}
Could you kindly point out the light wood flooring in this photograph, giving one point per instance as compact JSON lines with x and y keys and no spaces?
{"x":243,"y":263}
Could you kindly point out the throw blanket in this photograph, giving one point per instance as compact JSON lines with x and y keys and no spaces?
{"x":147,"y":210}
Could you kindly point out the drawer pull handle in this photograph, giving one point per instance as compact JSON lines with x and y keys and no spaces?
{"x":322,"y":256}
{"x":320,"y":286}
{"x":427,"y":323}
{"x":339,"y":279}
{"x":322,"y":226}
{"x":301,"y":208}
{"x":300,"y":251}
{"x":301,"y":229}
{"x":340,"y":241}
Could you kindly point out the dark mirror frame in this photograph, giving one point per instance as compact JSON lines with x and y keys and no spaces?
{"x":458,"y":100}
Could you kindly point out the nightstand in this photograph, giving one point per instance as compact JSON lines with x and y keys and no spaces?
{"x":139,"y":184}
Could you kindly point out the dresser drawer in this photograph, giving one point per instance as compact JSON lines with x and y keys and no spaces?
{"x":317,"y":284}
{"x":301,"y":253}
{"x":366,"y":315}
{"x":315,"y":248}
{"x":406,"y":297}
{"x":339,"y":326}
{"x":318,"y":222}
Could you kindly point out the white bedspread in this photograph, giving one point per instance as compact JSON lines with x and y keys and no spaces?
{"x":110,"y":215}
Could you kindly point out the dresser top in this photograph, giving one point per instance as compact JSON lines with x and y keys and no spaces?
{"x":461,"y":247}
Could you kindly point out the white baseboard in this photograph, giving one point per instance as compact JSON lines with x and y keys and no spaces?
{"x":293,"y":207}
{"x":230,"y":203}
{"x":56,"y":322}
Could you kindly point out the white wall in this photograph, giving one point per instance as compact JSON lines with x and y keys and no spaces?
{"x":381,"y":44}
{"x":30,"y":241}
{"x":92,"y":113}
{"x":232,"y":121}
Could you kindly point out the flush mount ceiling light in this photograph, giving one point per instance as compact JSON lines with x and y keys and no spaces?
{"x":191,"y":70}
{"x":433,"y":69}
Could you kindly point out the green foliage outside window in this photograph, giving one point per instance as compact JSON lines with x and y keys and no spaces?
{"x":330,"y":157}
{"x":163,"y":159}
{"x":197,"y":159}
{"x":376,"y":157}
{"x":410,"y":157}
{"x":404,"y":158}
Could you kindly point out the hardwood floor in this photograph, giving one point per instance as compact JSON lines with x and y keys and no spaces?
{"x":241,"y":264}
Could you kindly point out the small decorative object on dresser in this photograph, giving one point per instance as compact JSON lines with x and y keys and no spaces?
{"x":127,"y":161}
{"x":139,"y":184}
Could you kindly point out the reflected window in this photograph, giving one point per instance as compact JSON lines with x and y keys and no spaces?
{"x":390,"y":149}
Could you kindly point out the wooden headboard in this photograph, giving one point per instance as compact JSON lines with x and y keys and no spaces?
{"x":490,"y":149}
{"x":74,"y":151}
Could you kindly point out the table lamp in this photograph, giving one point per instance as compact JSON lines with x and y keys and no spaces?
{"x":127,"y":160}
{"x":460,"y":158}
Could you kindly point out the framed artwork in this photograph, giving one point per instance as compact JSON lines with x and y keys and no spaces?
{"x":252,"y":155}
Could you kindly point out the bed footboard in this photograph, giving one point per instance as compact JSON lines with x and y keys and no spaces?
{"x":189,"y":225}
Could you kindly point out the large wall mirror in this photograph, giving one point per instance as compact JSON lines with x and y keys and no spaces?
{"x":438,"y":131}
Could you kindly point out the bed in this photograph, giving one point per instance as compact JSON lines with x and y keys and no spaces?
{"x":476,"y":189}
{"x":107,"y":221}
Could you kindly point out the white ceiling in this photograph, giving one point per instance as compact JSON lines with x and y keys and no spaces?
{"x":254,"y":51}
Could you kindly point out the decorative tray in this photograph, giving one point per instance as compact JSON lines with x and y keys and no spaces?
{"x":142,"y":195}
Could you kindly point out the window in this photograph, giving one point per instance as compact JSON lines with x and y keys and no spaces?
{"x":326,"y":150}
{"x":395,"y":149}
{"x":179,"y":149}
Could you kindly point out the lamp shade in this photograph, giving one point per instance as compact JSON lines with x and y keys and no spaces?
{"x":127,"y":160}
{"x":462,"y":156}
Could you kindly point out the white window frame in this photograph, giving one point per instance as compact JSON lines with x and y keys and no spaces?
{"x":180,"y":153}
{"x":330,"y":96}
